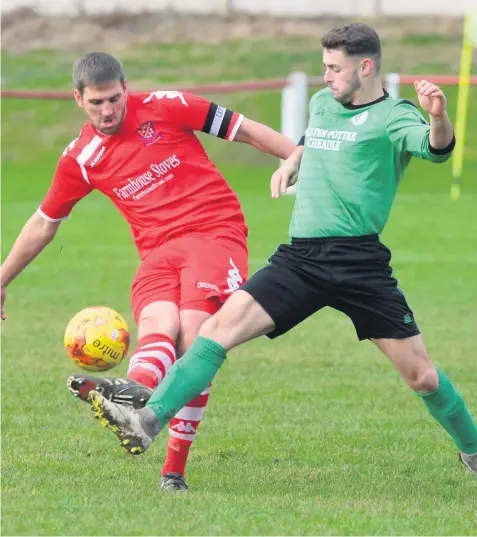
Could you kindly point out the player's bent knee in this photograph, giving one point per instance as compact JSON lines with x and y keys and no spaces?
{"x":424,"y":380}
{"x":240,"y":319}
{"x":216,"y":326}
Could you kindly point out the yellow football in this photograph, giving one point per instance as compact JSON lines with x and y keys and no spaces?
{"x":97,"y":338}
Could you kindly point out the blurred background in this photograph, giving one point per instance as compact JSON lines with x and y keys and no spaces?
{"x":311,"y":434}
{"x":272,"y":7}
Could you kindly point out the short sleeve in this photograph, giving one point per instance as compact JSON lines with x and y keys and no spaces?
{"x":67,"y":188}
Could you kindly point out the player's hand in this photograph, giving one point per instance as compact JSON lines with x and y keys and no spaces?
{"x":4,"y":297}
{"x":431,"y":97}
{"x":284,"y":177}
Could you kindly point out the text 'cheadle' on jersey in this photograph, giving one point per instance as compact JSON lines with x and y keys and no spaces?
{"x":328,"y":140}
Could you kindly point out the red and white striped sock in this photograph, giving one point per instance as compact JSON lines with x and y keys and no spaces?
{"x":182,"y":431}
{"x":149,"y":363}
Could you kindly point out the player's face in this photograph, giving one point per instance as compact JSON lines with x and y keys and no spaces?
{"x":105,"y":105}
{"x":341,"y":75}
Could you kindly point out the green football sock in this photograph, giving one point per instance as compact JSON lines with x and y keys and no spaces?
{"x":186,"y":379}
{"x":447,"y":406}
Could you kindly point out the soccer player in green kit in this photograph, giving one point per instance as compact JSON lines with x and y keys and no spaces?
{"x":349,"y":164}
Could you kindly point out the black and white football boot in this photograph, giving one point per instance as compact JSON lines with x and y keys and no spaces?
{"x":122,"y":391}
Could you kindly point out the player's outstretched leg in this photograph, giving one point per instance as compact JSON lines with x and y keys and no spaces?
{"x":431,"y":384}
{"x":447,"y":406}
{"x":132,"y":427}
{"x":240,"y":319}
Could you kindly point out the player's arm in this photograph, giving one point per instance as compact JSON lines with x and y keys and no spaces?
{"x":441,"y":135}
{"x":409,"y":132}
{"x":434,"y":102}
{"x":274,"y":143}
{"x":287,"y":174}
{"x":67,"y":188}
{"x":196,"y":113}
{"x":36,"y":234}
{"x":265,"y":139}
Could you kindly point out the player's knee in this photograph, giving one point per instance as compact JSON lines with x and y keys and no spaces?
{"x":185,"y":340}
{"x":190,"y":323}
{"x":221,"y":326}
{"x":214,"y":326}
{"x":240,"y":319}
{"x":425,"y":382}
{"x":159,"y":318}
{"x":228,"y":317}
{"x":423,"y":378}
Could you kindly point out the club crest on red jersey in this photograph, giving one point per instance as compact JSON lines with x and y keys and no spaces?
{"x":147,"y":131}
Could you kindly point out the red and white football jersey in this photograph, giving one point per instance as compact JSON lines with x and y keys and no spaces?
{"x":154,"y":169}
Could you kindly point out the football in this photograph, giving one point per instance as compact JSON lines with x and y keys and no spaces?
{"x":97,"y":338}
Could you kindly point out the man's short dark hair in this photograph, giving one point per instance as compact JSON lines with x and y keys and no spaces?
{"x":96,"y":69}
{"x":355,"y":39}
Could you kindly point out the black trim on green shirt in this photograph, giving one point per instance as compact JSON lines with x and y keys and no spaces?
{"x":444,"y":150}
{"x":357,"y":106}
{"x":408,"y":102}
{"x":421,"y":119}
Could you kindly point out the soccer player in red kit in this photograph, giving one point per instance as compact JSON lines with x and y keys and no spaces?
{"x":140,"y":150}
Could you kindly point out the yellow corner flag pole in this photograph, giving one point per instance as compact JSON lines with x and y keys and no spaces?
{"x":470,"y":40}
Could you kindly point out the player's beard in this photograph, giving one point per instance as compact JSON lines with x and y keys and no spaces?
{"x":354,"y":85}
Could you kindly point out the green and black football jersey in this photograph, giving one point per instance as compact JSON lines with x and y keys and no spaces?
{"x":353,"y":161}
